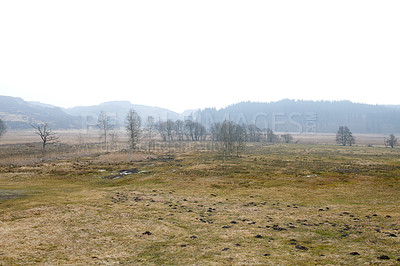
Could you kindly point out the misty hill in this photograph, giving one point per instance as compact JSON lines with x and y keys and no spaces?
{"x":19,"y":114}
{"x":118,"y":111}
{"x":281,"y":116}
{"x":308,"y":116}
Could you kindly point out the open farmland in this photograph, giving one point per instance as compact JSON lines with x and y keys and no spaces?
{"x":275,"y":204}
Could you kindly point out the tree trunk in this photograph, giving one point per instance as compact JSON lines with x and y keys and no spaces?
{"x":223,"y":159}
{"x":43,"y":149}
{"x":105,"y":141}
{"x":131,"y":154}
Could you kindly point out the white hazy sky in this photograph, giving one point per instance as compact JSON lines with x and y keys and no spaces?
{"x":195,"y":54}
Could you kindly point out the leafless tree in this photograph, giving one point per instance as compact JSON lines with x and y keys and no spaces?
{"x":104,"y":124}
{"x":113,"y":139}
{"x":170,"y":128}
{"x":287,"y":137}
{"x":133,"y":128}
{"x":194,"y":131}
{"x":46,"y":135}
{"x":179,"y":129}
{"x":351,"y":140}
{"x":271,"y":137}
{"x":189,"y":130}
{"x":3,"y":128}
{"x":225,"y":137}
{"x":344,"y":136}
{"x":162,"y":130}
{"x":150,"y":128}
{"x":392,"y":141}
{"x":214,"y":131}
{"x":239,"y":138}
{"x":254,"y":133}
{"x":199,"y":132}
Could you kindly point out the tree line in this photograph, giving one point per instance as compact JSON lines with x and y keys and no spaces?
{"x":293,"y":116}
{"x":230,"y":137}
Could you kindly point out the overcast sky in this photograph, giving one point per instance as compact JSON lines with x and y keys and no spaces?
{"x":195,"y":54}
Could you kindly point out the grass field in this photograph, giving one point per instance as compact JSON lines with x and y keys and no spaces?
{"x":285,"y":204}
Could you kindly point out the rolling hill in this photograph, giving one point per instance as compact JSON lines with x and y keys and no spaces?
{"x":118,"y":110}
{"x":20,"y":114}
{"x":281,"y":116}
{"x":308,"y":116}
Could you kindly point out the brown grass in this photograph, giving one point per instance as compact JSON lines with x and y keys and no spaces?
{"x":185,"y":209}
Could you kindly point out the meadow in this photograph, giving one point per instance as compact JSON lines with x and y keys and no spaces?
{"x":275,"y":204}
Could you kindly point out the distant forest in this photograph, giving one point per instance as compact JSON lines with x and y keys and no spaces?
{"x":282,"y":116}
{"x":307,"y":116}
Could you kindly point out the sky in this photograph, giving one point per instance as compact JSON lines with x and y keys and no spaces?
{"x":195,"y":54}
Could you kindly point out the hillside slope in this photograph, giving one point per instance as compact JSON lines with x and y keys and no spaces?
{"x":309,"y":116}
{"x":19,"y":114}
{"x":118,"y":111}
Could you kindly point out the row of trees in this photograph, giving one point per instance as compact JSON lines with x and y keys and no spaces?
{"x":185,"y":130}
{"x":193,"y":131}
{"x":180,"y":130}
{"x":133,"y":125}
{"x":231,"y":137}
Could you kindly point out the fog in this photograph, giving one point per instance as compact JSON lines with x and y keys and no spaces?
{"x":183,"y":55}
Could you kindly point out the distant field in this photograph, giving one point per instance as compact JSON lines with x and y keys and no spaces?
{"x":287,"y":204}
{"x":90,"y":136}
{"x":24,"y":147}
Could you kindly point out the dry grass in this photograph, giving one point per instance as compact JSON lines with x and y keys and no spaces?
{"x":277,"y":204}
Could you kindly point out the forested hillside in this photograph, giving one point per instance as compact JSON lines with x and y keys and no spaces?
{"x":281,"y":116}
{"x":308,"y":116}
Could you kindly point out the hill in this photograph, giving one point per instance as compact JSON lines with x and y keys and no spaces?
{"x":19,"y":114}
{"x":118,"y":110}
{"x":308,"y":116}
{"x":281,"y":116}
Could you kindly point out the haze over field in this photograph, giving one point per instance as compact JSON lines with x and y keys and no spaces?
{"x":284,"y":116}
{"x":185,"y":55}
{"x":206,"y":132}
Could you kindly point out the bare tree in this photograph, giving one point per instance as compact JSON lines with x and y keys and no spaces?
{"x":150,"y":128}
{"x":133,"y":128}
{"x":162,"y":130}
{"x":170,"y":128}
{"x":231,"y":138}
{"x":271,"y":137}
{"x":179,"y":129}
{"x":199,"y":132}
{"x":214,"y":130}
{"x":344,"y":136}
{"x":104,"y":124}
{"x":113,"y":139}
{"x":239,"y":138}
{"x":254,"y":133}
{"x":195,"y":131}
{"x":225,"y":137}
{"x":287,"y":137}
{"x":351,"y":140}
{"x":189,"y":130}
{"x":3,"y":128}
{"x":392,"y":141}
{"x":46,"y":134}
